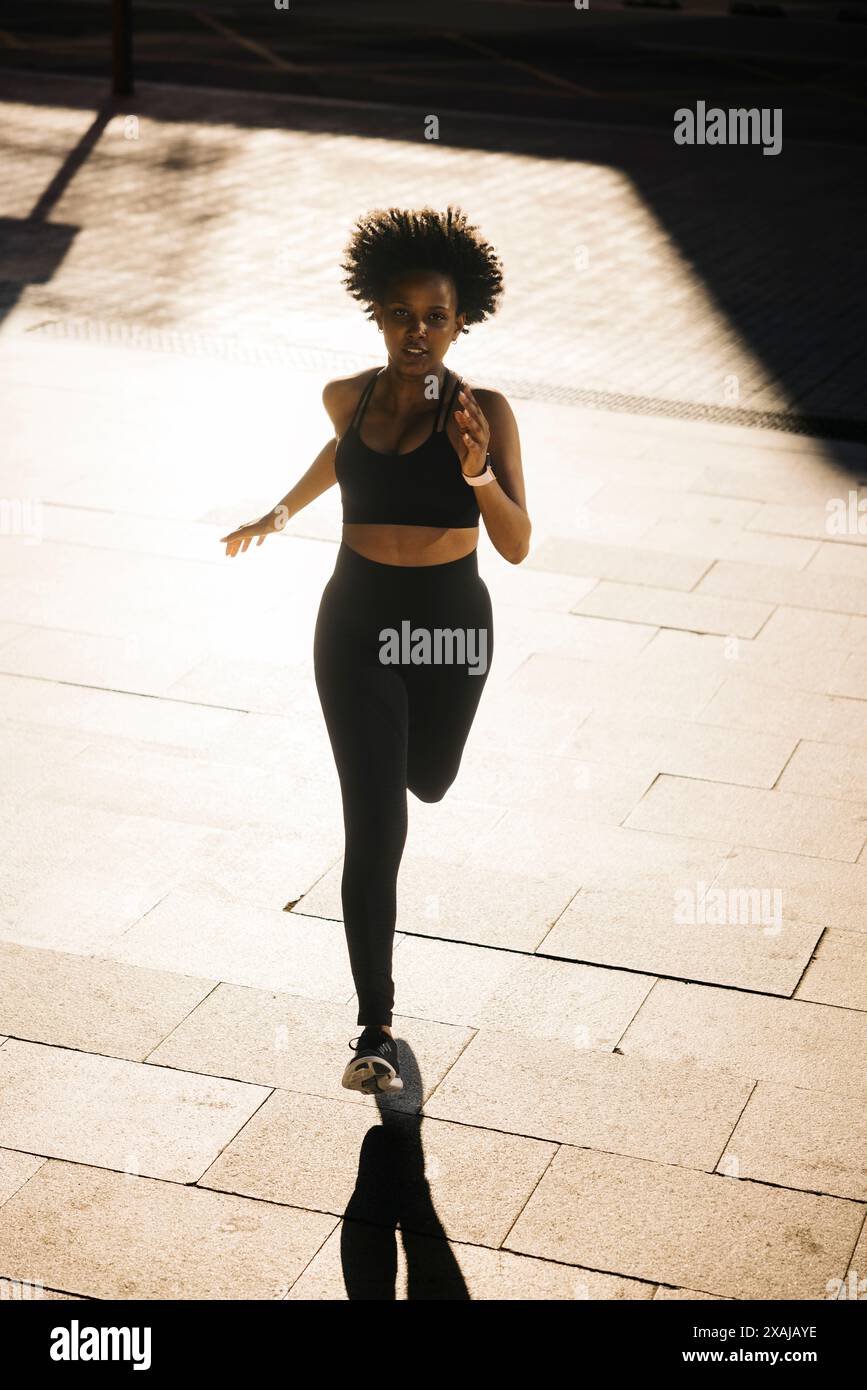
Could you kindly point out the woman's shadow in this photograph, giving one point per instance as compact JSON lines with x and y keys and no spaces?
{"x":391,"y":1193}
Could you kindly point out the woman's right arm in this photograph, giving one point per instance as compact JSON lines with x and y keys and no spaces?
{"x":320,"y":476}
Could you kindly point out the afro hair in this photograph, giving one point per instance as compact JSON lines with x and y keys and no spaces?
{"x":389,"y":241}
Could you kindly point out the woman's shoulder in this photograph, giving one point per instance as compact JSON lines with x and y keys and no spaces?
{"x":341,"y":395}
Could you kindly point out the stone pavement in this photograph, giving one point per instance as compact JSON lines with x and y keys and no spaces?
{"x":631,"y":967}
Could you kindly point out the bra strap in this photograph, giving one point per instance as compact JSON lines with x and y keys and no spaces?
{"x":448,"y":402}
{"x":364,"y":398}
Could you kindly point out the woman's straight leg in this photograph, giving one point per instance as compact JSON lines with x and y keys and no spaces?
{"x":365,"y":710}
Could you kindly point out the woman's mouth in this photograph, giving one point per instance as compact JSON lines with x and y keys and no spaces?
{"x":415,"y":353}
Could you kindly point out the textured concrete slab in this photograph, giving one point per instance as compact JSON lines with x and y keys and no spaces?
{"x":629,"y":564}
{"x":766,"y":819}
{"x":838,"y":972}
{"x":696,"y":1230}
{"x":721,"y":540}
{"x":16,"y":1169}
{"x":241,"y":945}
{"x":359,"y":1261}
{"x":811,"y":1140}
{"x":599,"y":857}
{"x":697,"y":612}
{"x":549,"y":680}
{"x":435,"y":1178}
{"x":670,"y":1112}
{"x":827,"y":769}
{"x":248,"y":866}
{"x":787,"y":1041}
{"x":302,"y":1045}
{"x":810,"y":890}
{"x":742,"y":703}
{"x":684,"y":749}
{"x":112,"y":1113}
{"x":807,"y":628}
{"x":532,"y":998}
{"x":634,"y":931}
{"x":784,"y":663}
{"x":835,"y":593}
{"x":435,"y":898}
{"x":112,"y":1236}
{"x":581,"y":789}
{"x":32,"y":702}
{"x":92,"y":1005}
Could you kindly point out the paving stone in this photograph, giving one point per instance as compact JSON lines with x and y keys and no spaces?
{"x":637,"y":931}
{"x":810,"y":629}
{"x":800,"y":1139}
{"x":805,"y":519}
{"x":766,"y":819}
{"x":574,"y":684}
{"x":671,"y":1112}
{"x":827,"y":769}
{"x":854,"y":1284}
{"x":77,"y":912}
{"x":244,"y":865}
{"x":836,"y":557}
{"x":117,"y":1114}
{"x":196,"y":790}
{"x":302,"y":1045}
{"x":434,"y":1177}
{"x":799,"y":589}
{"x":684,"y":749}
{"x":719,"y":540}
{"x":92,"y":1005}
{"x":359,"y":1261}
{"x":809,"y":890}
{"x":597,"y":857}
{"x":519,"y":632}
{"x":530,"y":997}
{"x":838,"y":972}
{"x":488,"y":908}
{"x":699,"y":1230}
{"x":783,"y":663}
{"x":148,"y":665}
{"x":581,"y":789}
{"x":850,"y":677}
{"x":15,"y":1170}
{"x":33,"y":703}
{"x":687,"y":1295}
{"x":238,"y":944}
{"x":696,"y":612}
{"x":787,"y":1041}
{"x":742,"y":703}
{"x":657,"y":504}
{"x":115,"y":1236}
{"x":628,"y":564}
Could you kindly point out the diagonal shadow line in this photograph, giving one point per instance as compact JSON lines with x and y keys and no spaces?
{"x":74,"y":161}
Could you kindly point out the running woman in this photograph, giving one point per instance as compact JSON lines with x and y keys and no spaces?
{"x":419,"y":457}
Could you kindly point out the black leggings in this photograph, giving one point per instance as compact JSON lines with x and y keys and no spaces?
{"x":394,"y":726}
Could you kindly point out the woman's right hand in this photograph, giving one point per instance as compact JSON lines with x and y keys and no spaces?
{"x":267,"y":525}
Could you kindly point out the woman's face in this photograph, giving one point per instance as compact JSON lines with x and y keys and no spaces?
{"x":419,"y":320}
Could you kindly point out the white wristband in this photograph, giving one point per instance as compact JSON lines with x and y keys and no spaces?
{"x":487,"y":476}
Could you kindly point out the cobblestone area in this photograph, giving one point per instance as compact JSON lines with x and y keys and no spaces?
{"x":633,"y":266}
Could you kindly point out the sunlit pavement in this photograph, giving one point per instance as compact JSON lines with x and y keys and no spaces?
{"x":631,"y":966}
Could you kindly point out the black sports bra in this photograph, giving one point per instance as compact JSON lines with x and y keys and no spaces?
{"x":424,"y":487}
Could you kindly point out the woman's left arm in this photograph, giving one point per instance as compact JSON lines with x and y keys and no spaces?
{"x":487,"y":425}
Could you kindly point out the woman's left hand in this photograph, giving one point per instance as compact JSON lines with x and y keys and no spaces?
{"x":475,"y":433}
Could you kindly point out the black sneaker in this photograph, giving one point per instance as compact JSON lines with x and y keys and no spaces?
{"x":374,"y":1066}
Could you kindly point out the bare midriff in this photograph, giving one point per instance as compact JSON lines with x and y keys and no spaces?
{"x":410,"y":545}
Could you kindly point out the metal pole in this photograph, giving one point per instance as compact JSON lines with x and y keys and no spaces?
{"x":121,"y":48}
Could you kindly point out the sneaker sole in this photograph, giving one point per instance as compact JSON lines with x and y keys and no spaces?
{"x":370,"y":1074}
